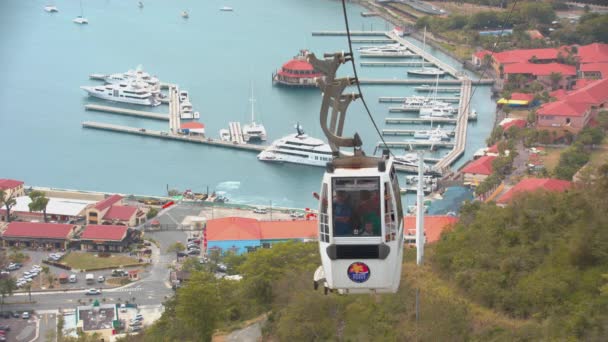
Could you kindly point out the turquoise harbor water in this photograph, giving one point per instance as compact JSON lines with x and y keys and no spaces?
{"x":45,"y":58}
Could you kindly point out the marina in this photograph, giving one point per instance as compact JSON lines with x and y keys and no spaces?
{"x":424,"y":120}
{"x":392,"y":64}
{"x":406,"y":132}
{"x":426,"y":88}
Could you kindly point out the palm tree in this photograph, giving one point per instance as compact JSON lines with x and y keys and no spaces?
{"x":39,"y":202}
{"x":46,"y":270}
{"x":8,"y":201}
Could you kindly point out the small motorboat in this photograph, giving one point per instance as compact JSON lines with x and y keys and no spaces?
{"x":140,"y":4}
{"x":80,"y":20}
{"x":226,"y":9}
{"x":185,"y":15}
{"x":51,"y":9}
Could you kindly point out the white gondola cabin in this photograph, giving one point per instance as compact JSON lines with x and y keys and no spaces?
{"x":361,"y":225}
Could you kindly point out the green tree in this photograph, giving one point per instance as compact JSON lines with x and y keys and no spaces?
{"x":176,"y":247}
{"x":199,"y":305}
{"x":8,"y":201}
{"x":152,"y":213}
{"x":39,"y":202}
{"x":555,"y":78}
{"x":7,"y":286}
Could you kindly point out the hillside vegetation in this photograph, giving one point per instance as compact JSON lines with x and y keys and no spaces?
{"x":535,"y":270}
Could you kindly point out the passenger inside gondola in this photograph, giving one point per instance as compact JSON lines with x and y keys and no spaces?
{"x":343,"y":213}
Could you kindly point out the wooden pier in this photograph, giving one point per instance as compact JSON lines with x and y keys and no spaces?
{"x":172,"y":136}
{"x":388,"y":131}
{"x":419,"y":120}
{"x":129,"y":112}
{"x":174,"y":111}
{"x":404,"y":109}
{"x":352,"y":33}
{"x":397,"y":99}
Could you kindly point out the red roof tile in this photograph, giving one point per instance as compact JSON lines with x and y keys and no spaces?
{"x":563,"y":108}
{"x":120,"y":212}
{"x":594,"y":93}
{"x":582,"y":82}
{"x":38,"y":230}
{"x":493,"y":148}
{"x":533,"y":184}
{"x":298,"y":229}
{"x":602,"y":68}
{"x":522,"y":97}
{"x":104,"y":204}
{"x":509,"y":122}
{"x":593,"y":53}
{"x":540,"y":69}
{"x":104,"y":232}
{"x":481,"y":166}
{"x":519,"y":56}
{"x":9,"y":183}
{"x":434,"y":226}
{"x":482,"y":53}
{"x":559,"y":94}
{"x":233,"y":228}
{"x":299,"y":65}
{"x":192,"y":125}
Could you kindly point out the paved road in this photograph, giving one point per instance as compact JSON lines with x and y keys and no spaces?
{"x":47,"y":326}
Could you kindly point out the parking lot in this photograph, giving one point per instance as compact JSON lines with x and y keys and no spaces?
{"x":19,"y":329}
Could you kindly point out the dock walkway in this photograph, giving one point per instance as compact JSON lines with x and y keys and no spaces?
{"x":352,"y":33}
{"x":398,"y":99}
{"x":125,"y":111}
{"x":172,"y":136}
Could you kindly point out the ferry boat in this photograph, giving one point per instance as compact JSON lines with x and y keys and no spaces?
{"x":130,"y":92}
{"x":298,"y":148}
{"x":253,"y":131}
{"x":390,"y":50}
{"x":297,"y":73}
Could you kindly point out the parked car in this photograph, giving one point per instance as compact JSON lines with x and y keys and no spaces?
{"x":139,"y":317}
{"x":259,"y":211}
{"x":194,"y":252}
{"x":134,"y":328}
{"x":25,"y":315}
{"x":92,"y":292}
{"x":72,"y":278}
{"x":5,"y":327}
{"x":101,"y":279}
{"x":119,"y":273}
{"x":15,"y":314}
{"x":134,"y":323}
{"x":5,"y":314}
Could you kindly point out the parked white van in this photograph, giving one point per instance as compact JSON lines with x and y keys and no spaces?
{"x":90,"y":278}
{"x":73,"y":278}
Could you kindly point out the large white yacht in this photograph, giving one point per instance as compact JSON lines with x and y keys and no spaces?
{"x":129,"y":92}
{"x":137,"y":74}
{"x":390,"y":50}
{"x":252,"y":130}
{"x":409,"y":159}
{"x":298,"y":148}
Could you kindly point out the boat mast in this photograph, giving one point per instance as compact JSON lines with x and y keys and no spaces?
{"x":252,"y":100}
{"x":81,"y":14}
{"x":423,"y":47}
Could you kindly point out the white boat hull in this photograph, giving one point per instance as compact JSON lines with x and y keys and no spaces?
{"x":104,"y":96}
{"x":426,"y":72}
{"x":278,"y":157}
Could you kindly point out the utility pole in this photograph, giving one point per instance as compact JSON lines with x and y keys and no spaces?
{"x":419,"y":224}
{"x":270,"y":210}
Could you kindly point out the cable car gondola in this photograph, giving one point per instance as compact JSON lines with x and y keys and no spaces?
{"x":360,"y":211}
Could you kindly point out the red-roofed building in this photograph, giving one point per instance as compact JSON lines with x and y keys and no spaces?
{"x":574,"y":111}
{"x":594,"y":71}
{"x":559,"y":94}
{"x":593,"y":53}
{"x":297,"y":73}
{"x":434,"y":226}
{"x":507,"y":123}
{"x":534,"y":184}
{"x":240,"y":234}
{"x":111,"y":211}
{"x":30,"y":234}
{"x":12,"y":189}
{"x":478,"y":170}
{"x":192,"y":128}
{"x":479,"y":56}
{"x":542,"y":72}
{"x":104,"y":238}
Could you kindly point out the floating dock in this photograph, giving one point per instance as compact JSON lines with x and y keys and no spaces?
{"x":419,"y":120}
{"x":388,"y":131}
{"x":371,"y":41}
{"x":396,"y":99}
{"x":369,"y":14}
{"x":429,"y":89}
{"x":404,"y":109}
{"x":410,"y":144}
{"x":419,"y":81}
{"x":236,"y":133}
{"x":352,"y":33}
{"x":125,"y":111}
{"x":172,"y":136}
{"x":391,"y":64}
